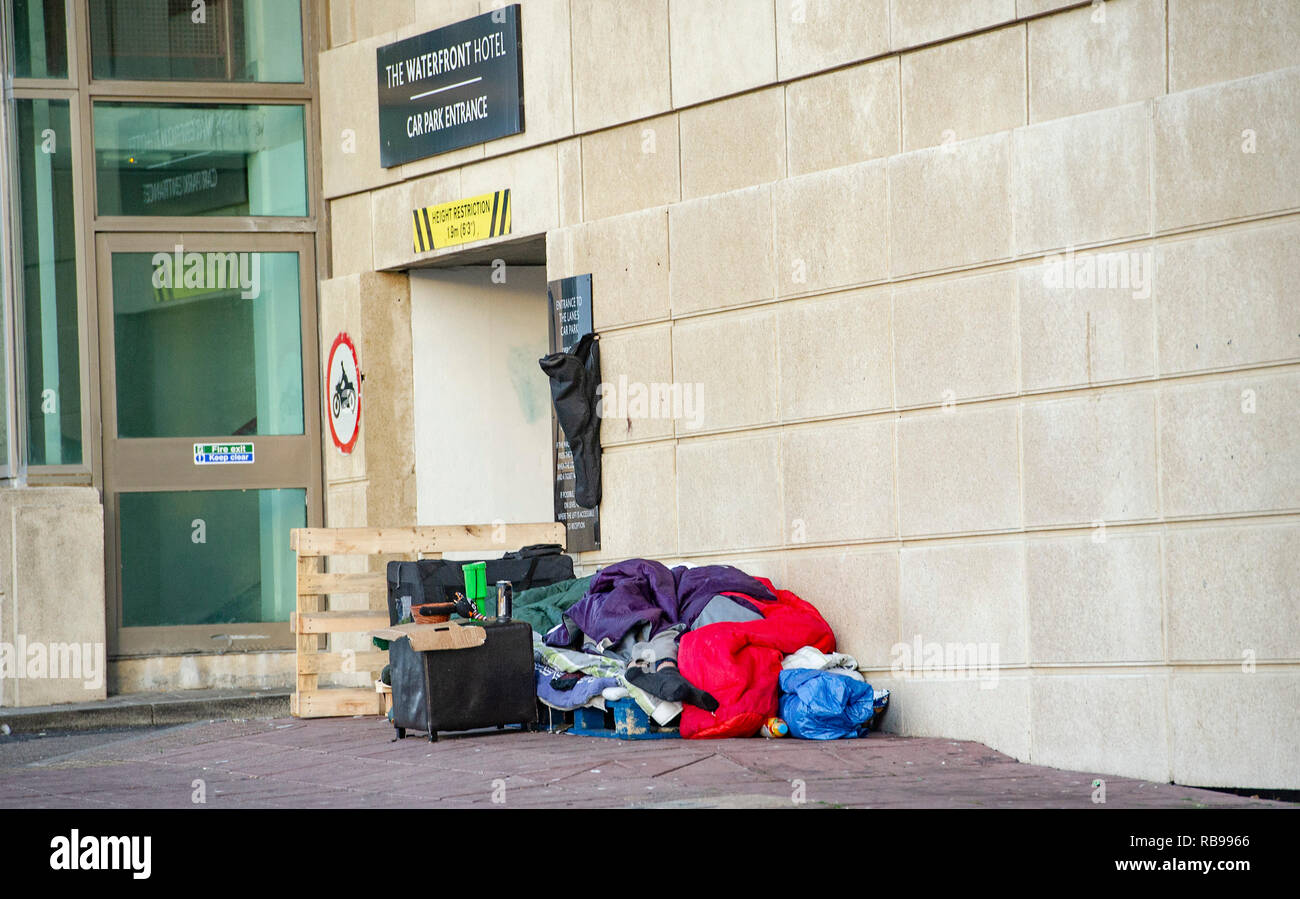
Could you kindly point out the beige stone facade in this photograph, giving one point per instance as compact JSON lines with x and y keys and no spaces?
{"x":994,"y":307}
{"x":52,"y":596}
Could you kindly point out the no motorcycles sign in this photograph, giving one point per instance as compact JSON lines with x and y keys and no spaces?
{"x":343,"y":393}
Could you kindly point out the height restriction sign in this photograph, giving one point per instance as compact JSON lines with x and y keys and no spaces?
{"x":343,"y":393}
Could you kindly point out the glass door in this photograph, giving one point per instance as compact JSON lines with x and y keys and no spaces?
{"x":211,"y":435}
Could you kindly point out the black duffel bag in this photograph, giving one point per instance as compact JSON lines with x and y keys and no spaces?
{"x":439,"y":580}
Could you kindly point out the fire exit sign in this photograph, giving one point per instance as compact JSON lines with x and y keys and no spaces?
{"x":223,"y":453}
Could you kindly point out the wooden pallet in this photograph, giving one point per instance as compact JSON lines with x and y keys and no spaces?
{"x":313,"y":621}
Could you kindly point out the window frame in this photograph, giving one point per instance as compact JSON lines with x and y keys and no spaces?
{"x":8,"y":372}
{"x":81,"y":90}
{"x":239,"y":223}
{"x":79,"y":472}
{"x":214,"y":88}
{"x":69,"y":12}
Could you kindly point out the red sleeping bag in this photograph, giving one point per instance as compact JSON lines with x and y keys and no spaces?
{"x":739,"y":664}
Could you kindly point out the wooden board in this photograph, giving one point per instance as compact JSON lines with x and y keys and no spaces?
{"x":485,"y":538}
{"x":337,"y":702}
{"x":305,"y":645}
{"x":335,"y":662}
{"x":348,"y":621}
{"x":343,"y":582}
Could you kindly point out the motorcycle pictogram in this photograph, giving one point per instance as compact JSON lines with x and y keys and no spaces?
{"x":345,"y":394}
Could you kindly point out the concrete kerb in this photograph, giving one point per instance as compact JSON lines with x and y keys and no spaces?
{"x":149,"y":710}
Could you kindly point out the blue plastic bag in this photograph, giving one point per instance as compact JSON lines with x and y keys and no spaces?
{"x":819,"y":705}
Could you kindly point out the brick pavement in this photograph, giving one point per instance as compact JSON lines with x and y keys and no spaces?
{"x":351,"y":763}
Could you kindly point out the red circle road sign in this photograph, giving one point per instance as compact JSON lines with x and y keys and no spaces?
{"x":343,"y":393}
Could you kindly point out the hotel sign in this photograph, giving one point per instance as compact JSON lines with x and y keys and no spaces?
{"x":451,"y":88}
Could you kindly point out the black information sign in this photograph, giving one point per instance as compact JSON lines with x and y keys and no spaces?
{"x":451,"y":88}
{"x":570,"y":300}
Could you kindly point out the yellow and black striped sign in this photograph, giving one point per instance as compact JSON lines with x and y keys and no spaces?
{"x":461,"y":221}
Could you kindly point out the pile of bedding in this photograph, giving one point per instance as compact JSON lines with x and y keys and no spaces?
{"x":702,"y":646}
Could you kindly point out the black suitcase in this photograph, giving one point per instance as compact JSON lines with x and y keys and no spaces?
{"x":490,"y":685}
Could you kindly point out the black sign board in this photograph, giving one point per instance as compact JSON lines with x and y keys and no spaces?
{"x":451,"y":88}
{"x":570,"y":300}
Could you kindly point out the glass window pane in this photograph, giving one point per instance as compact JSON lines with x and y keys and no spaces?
{"x":172,"y":40}
{"x":40,"y":39}
{"x":172,"y":159}
{"x":4,"y":342}
{"x":4,"y":378}
{"x":208,"y":556}
{"x":197,"y":357}
{"x":47,"y":215}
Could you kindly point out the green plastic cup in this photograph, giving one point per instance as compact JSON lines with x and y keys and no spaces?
{"x":476,"y":585}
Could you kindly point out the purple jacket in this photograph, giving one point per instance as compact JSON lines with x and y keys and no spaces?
{"x":622,"y":596}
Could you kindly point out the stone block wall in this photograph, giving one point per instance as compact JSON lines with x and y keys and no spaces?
{"x":993,"y":307}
